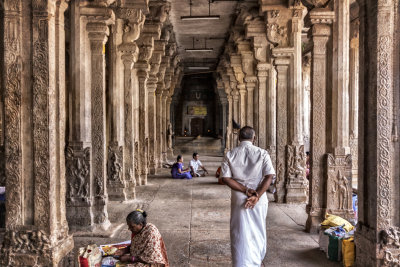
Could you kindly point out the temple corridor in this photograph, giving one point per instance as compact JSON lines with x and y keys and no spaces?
{"x":193,"y":218}
{"x":96,"y":96}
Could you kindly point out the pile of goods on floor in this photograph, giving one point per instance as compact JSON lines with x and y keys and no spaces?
{"x":336,"y":239}
{"x":103,"y":256}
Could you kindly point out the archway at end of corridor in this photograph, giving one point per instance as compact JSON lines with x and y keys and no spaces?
{"x":197,"y":116}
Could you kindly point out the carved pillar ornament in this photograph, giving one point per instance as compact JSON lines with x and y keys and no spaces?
{"x":288,"y":47}
{"x":133,"y":20}
{"x":146,"y":45}
{"x":282,"y":63}
{"x":11,"y":84}
{"x":155,"y":61}
{"x":354,"y":69}
{"x":377,"y":235}
{"x":43,"y":229}
{"x":339,"y":160}
{"x":236,"y":64}
{"x":159,"y":108}
{"x":229,"y":131}
{"x":97,"y":33}
{"x":255,"y":30}
{"x":320,"y":34}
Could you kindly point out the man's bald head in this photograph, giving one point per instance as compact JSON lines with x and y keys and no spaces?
{"x":246,"y":133}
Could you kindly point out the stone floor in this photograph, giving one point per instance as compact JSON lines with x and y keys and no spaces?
{"x":193,"y":218}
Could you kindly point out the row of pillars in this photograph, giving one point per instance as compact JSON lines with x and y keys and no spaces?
{"x":92,"y":123}
{"x":353,"y":96}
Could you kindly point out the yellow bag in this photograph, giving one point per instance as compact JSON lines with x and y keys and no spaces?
{"x":333,"y":220}
{"x":348,"y":252}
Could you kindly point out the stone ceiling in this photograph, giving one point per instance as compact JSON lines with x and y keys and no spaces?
{"x":211,"y":32}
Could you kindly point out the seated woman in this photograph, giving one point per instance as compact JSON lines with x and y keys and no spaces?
{"x":178,"y":171}
{"x":147,"y":246}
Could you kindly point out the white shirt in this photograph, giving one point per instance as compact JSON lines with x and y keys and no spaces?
{"x":247,"y":164}
{"x":195,"y":164}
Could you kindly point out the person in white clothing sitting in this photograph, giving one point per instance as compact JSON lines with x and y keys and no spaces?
{"x":196,"y":168}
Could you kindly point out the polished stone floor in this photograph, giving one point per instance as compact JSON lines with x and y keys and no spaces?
{"x":193,"y":218}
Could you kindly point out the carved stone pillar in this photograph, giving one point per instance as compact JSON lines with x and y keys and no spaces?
{"x":159,"y":124}
{"x":235,"y":97}
{"x":36,"y":227}
{"x":151,"y":87}
{"x":282,"y":65}
{"x":320,"y":34}
{"x":354,"y":68}
{"x":129,"y":21}
{"x":129,"y":56}
{"x":297,"y":184}
{"x":116,"y":183}
{"x":338,"y":175}
{"x":377,"y":235}
{"x":243,"y":104}
{"x":170,"y":151}
{"x":262,"y":74}
{"x":97,"y":33}
{"x":224,"y":115}
{"x":250,"y":85}
{"x":164,"y":121}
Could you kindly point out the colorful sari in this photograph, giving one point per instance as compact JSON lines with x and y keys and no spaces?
{"x":175,"y":173}
{"x":149,"y":246}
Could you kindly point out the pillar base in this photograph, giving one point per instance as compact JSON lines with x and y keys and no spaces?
{"x":367,"y":248}
{"x":131,"y":191}
{"x":296,"y":193}
{"x":280,"y":196}
{"x":153,"y":170}
{"x":32,"y":247}
{"x":143,"y":177}
{"x":314,"y":220}
{"x":170,"y":152}
{"x":117,"y":193}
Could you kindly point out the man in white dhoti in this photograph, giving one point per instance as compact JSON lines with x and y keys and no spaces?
{"x":248,"y":171}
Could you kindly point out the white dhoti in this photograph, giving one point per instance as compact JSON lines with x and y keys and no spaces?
{"x":248,"y":231}
{"x":247,"y":165}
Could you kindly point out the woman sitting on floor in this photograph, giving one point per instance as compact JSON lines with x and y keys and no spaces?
{"x":147,"y":246}
{"x":178,"y":171}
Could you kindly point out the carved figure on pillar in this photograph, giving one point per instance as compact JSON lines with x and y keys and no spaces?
{"x":339,"y":187}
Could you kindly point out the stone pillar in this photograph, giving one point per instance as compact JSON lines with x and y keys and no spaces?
{"x":320,"y":33}
{"x":151,"y":87}
{"x":242,"y":107}
{"x":235,"y":107}
{"x":81,"y":188}
{"x":36,"y":216}
{"x":354,"y":68}
{"x":262,"y":75}
{"x":159,"y":124}
{"x":224,"y":117}
{"x":296,"y":184}
{"x":164,"y":121}
{"x":170,"y":151}
{"x":116,"y":183}
{"x":250,"y":85}
{"x":377,"y":235}
{"x":129,"y":56}
{"x":282,"y":65}
{"x":142,"y":67}
{"x":97,"y":33}
{"x":338,"y":174}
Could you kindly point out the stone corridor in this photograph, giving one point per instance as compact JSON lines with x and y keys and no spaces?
{"x":193,"y":217}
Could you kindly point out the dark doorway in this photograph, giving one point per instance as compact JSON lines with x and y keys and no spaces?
{"x":197,"y":126}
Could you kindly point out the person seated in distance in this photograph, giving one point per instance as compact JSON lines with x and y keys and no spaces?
{"x":196,"y":168}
